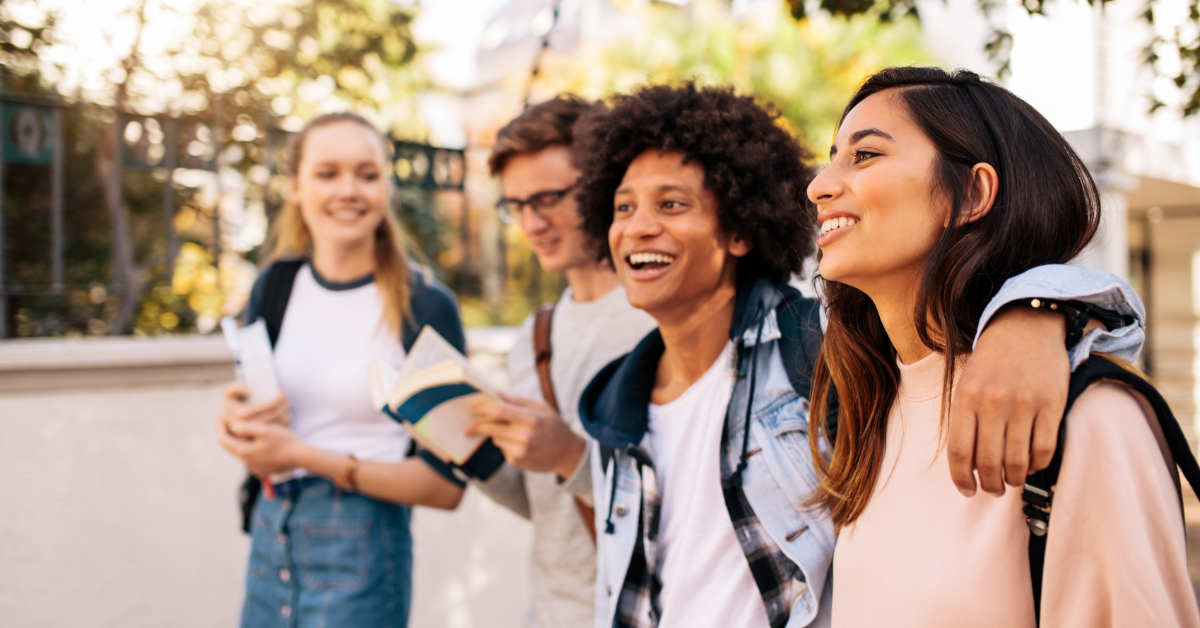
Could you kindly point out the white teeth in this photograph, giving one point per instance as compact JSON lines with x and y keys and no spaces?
{"x":346,"y":215}
{"x":650,"y":258}
{"x":837,"y":223}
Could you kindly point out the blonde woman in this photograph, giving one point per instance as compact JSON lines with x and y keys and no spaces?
{"x":333,"y":547}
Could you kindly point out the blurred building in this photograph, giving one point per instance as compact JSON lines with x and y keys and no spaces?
{"x":1082,"y":67}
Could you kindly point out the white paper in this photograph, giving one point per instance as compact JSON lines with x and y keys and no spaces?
{"x":252,"y":358}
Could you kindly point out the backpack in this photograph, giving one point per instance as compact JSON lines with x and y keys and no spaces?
{"x":276,"y":293}
{"x":799,"y":320}
{"x":272,"y":305}
{"x":1039,"y":487}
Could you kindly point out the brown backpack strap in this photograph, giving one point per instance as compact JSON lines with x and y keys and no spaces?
{"x":541,"y":351}
{"x":542,"y":320}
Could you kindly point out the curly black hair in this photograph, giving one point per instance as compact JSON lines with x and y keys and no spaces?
{"x":758,"y":172}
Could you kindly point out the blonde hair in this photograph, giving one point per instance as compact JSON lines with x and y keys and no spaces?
{"x":290,"y":238}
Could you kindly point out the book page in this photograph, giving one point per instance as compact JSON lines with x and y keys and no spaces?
{"x":448,"y":372}
{"x":253,"y":358}
{"x":425,"y":441}
{"x":381,"y":377}
{"x":433,"y":394}
{"x":445,"y":424}
{"x":431,"y":349}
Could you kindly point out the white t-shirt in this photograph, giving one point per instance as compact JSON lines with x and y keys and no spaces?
{"x":584,"y":336}
{"x":706,"y":580}
{"x":328,"y":335}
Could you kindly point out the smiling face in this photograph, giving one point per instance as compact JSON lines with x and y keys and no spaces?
{"x":666,"y":242}
{"x":879,"y":213}
{"x":340,"y":185}
{"x":554,"y":231}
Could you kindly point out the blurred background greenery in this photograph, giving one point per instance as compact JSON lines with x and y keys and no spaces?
{"x":150,"y":249}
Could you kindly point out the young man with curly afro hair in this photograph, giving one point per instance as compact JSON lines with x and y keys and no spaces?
{"x":702,"y":464}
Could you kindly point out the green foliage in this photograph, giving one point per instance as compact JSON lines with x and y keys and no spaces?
{"x":1183,"y":42}
{"x":259,"y":58}
{"x":887,"y":10}
{"x":20,"y":42}
{"x":90,"y":300}
{"x":806,"y":69}
{"x":244,"y":67}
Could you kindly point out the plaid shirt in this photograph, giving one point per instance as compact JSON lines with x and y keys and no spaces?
{"x":776,"y":576}
{"x":637,"y":605}
{"x":774,"y":573}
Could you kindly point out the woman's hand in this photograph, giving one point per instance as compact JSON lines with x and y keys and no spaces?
{"x":237,"y":408}
{"x":1009,"y":402}
{"x":532,"y":436}
{"x":265,"y":448}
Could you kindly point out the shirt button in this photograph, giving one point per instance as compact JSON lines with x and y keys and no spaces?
{"x":621,"y":510}
{"x":285,"y":575}
{"x":609,"y":590}
{"x":285,"y":504}
{"x":279,"y":538}
{"x":285,"y":610}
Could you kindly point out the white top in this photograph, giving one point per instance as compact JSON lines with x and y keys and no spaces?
{"x":329,"y":334}
{"x":706,"y":580}
{"x":584,"y":337}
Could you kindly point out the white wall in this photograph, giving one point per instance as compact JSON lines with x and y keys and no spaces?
{"x":117,"y":507}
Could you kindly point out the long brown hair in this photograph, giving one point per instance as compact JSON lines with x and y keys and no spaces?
{"x":290,"y":237}
{"x":1046,"y":210}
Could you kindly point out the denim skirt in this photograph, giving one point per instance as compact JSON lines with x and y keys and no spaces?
{"x":321,"y":557}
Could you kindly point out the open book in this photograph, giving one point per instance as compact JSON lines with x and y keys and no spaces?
{"x":431,"y":397}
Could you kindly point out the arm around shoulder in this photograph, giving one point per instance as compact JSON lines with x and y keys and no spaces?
{"x":1078,"y":283}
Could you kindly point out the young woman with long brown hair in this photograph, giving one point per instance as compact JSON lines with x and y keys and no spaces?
{"x":334,"y":547}
{"x":940,"y":187}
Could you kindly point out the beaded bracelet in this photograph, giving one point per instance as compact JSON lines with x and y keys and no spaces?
{"x":1078,"y":314}
{"x":1075,"y":312}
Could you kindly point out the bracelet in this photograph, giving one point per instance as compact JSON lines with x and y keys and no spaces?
{"x":1075,"y":312}
{"x":349,"y":481}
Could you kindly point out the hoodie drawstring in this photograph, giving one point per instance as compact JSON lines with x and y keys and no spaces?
{"x":612,"y":498}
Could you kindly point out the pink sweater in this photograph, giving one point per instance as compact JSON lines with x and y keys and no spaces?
{"x":924,"y":556}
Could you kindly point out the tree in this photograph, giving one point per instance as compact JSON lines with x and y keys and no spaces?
{"x":21,"y":42}
{"x":241,"y":66}
{"x":1182,"y":46}
{"x":238,"y":72}
{"x":807,"y":69}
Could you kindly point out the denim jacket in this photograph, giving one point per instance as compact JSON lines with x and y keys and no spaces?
{"x":766,"y":463}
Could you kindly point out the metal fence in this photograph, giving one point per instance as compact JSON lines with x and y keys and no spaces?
{"x":32,"y":135}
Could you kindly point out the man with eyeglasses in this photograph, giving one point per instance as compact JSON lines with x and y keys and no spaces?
{"x":548,"y":476}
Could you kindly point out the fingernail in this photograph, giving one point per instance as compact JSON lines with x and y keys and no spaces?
{"x":967,"y":492}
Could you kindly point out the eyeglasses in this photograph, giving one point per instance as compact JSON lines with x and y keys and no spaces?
{"x":546,"y":204}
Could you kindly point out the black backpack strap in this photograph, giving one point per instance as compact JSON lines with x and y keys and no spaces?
{"x":271,"y":306}
{"x":1039,"y":487}
{"x":280,"y":278}
{"x":800,"y":340}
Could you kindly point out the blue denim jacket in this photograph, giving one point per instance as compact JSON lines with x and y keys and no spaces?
{"x":777,"y":478}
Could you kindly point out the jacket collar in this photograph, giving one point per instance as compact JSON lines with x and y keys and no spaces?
{"x":615,"y":406}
